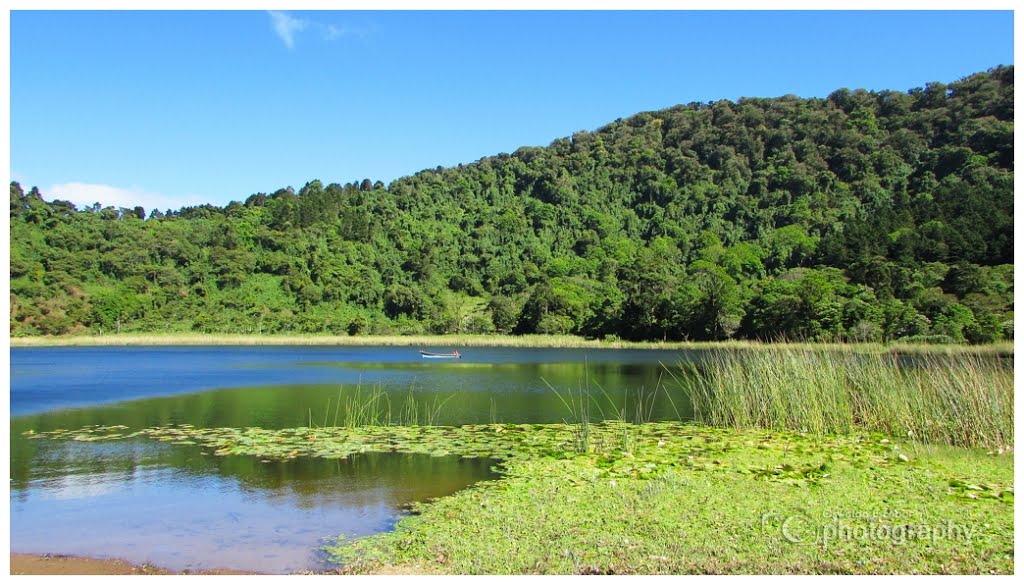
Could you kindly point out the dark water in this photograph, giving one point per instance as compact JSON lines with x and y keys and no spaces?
{"x":174,"y":506}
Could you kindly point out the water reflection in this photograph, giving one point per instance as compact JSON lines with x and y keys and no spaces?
{"x":56,"y":377}
{"x":233,"y":512}
{"x":526,"y":393}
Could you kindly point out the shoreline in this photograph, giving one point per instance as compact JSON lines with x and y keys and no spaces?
{"x":185,"y":339}
{"x":507,"y":341}
{"x":57,"y":564}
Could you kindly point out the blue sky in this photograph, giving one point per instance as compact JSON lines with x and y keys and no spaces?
{"x":172,"y":108}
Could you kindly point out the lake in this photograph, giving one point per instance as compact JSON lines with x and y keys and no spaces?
{"x":178,"y":507}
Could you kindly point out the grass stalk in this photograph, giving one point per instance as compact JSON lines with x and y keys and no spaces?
{"x":491,"y":340}
{"x":961,"y":400}
{"x":374,"y":408}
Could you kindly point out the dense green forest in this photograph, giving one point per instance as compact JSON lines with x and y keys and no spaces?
{"x":862,"y":216}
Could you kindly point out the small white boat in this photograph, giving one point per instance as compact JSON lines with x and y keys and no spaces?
{"x":429,"y":354}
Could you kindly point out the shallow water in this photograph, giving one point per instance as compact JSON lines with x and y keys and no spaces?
{"x":177,"y":507}
{"x":225,"y":512}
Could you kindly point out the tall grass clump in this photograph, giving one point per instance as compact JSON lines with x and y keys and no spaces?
{"x":963,"y":400}
{"x":579,"y":406}
{"x":637,"y":407}
{"x":374,"y":409}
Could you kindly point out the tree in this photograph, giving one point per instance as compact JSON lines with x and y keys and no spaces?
{"x":863,"y":216}
{"x":716,"y":313}
{"x":504,"y":313}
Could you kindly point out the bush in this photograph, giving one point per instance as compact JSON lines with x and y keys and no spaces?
{"x":865,"y":331}
{"x":1007,"y":328}
{"x":358,"y":325}
{"x":478,"y":323}
{"x":986,"y":328}
{"x":554,"y":325}
{"x":928,"y":339}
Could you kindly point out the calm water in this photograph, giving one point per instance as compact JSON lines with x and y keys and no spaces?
{"x":174,"y":506}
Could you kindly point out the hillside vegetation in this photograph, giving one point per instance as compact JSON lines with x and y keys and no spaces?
{"x":868,"y":216}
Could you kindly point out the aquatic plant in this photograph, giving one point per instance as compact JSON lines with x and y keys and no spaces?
{"x":761,"y":510}
{"x":957,"y":400}
{"x":584,"y":402}
{"x":579,"y":407}
{"x":664,"y":444}
{"x":686,"y":494}
{"x":374,"y":408}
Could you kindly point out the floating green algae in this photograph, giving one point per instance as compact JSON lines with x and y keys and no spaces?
{"x":656,"y":497}
{"x":618,"y":448}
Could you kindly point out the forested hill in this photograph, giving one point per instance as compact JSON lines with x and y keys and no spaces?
{"x":863,"y":216}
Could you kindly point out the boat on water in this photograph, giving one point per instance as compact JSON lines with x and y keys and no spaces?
{"x":430,"y":354}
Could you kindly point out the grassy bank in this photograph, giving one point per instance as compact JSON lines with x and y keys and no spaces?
{"x":665,"y":497}
{"x":964,"y":400}
{"x":538,"y":341}
{"x":752,"y":510}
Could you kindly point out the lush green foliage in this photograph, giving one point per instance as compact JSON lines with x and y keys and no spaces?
{"x":867,"y":216}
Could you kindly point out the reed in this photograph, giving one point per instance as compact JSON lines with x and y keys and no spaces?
{"x":584,"y":403}
{"x":375,"y":409}
{"x":369,"y":410}
{"x":187,"y":339}
{"x":538,"y":341}
{"x":579,"y":406}
{"x":962,"y":400}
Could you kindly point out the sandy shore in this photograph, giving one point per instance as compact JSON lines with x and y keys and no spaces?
{"x":27,"y":564}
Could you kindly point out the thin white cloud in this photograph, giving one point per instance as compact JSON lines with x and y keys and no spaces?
{"x":287,"y":28}
{"x":286,"y":25}
{"x":86,"y":194}
{"x":331,"y":32}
